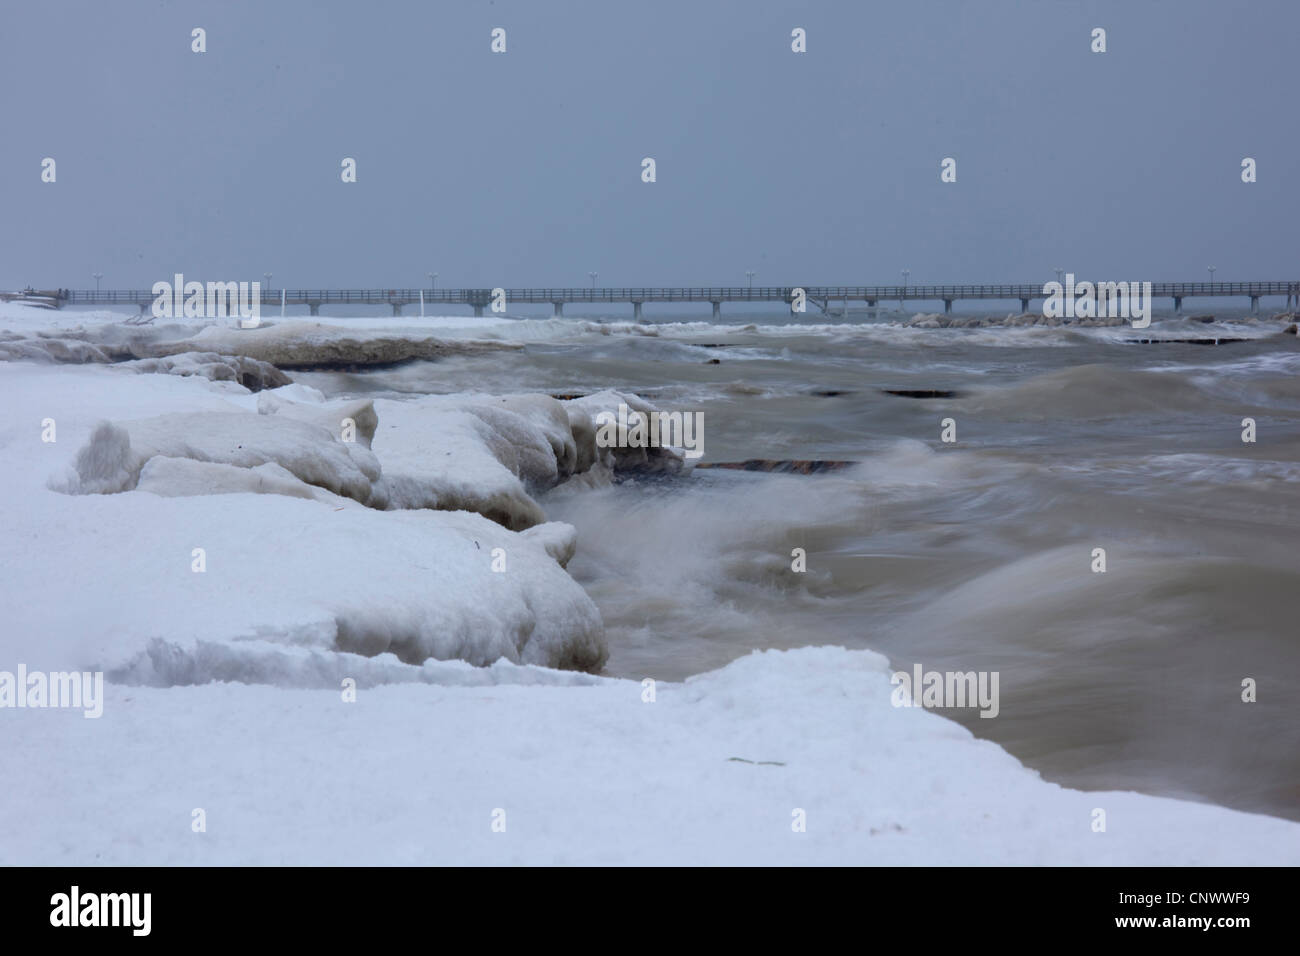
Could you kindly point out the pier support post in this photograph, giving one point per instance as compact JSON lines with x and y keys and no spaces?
{"x":636,"y":309}
{"x":717,"y":308}
{"x":559,"y":309}
{"x":1024,"y":305}
{"x":1178,"y":303}
{"x":397,"y":308}
{"x":947,"y":305}
{"x":478,"y":311}
{"x":315,"y":307}
{"x":144,"y":307}
{"x":1254,"y":303}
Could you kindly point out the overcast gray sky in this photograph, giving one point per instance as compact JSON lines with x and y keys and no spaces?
{"x":523,"y":168}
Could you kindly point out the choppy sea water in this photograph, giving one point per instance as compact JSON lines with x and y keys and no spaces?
{"x":975,"y":555}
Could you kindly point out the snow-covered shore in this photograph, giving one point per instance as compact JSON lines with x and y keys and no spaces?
{"x":269,"y":508}
{"x":416,"y":774}
{"x":324,"y":560}
{"x":202,"y":515}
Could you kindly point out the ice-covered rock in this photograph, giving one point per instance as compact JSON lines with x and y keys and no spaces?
{"x":291,"y":344}
{"x":297,"y":344}
{"x":105,"y":465}
{"x":253,"y":374}
{"x":355,"y":418}
{"x":50,"y":349}
{"x":491,"y":454}
{"x":626,"y":457}
{"x":394,"y":578}
{"x":558,"y":539}
{"x":437,"y":455}
{"x":179,"y":477}
{"x":117,"y":452}
{"x":225,"y":557}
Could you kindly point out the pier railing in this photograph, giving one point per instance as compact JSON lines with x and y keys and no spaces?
{"x":691,"y":294}
{"x":819,"y":295}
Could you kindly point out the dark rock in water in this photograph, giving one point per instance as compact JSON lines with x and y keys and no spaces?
{"x":255,"y":376}
{"x":831,"y":393}
{"x":713,"y":362}
{"x":801,"y":467}
{"x":712,"y":345}
{"x":568,"y":396}
{"x":1200,"y":318}
{"x":920,"y":392}
{"x":1290,"y":329}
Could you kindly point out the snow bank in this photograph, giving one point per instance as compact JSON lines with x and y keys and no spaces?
{"x":485,"y":454}
{"x":218,"y":526}
{"x":251,"y":373}
{"x":113,"y":458}
{"x":489,"y":454}
{"x":19,"y":315}
{"x":292,"y":344}
{"x":357,"y":415}
{"x":285,"y":343}
{"x":178,"y":477}
{"x":287,"y":571}
{"x":711,"y":773}
{"x":451,"y":453}
{"x":44,"y":348}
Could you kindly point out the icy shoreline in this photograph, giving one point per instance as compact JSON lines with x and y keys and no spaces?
{"x":224,"y":523}
{"x":417,"y":775}
{"x":323,"y":563}
{"x":270,"y":520}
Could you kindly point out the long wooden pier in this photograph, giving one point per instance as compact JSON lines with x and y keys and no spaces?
{"x":821,"y":297}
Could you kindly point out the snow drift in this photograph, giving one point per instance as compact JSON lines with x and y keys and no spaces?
{"x":261,"y":534}
{"x":713,"y":772}
{"x":490,"y":454}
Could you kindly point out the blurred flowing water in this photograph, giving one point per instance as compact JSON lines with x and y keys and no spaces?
{"x":975,"y":555}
